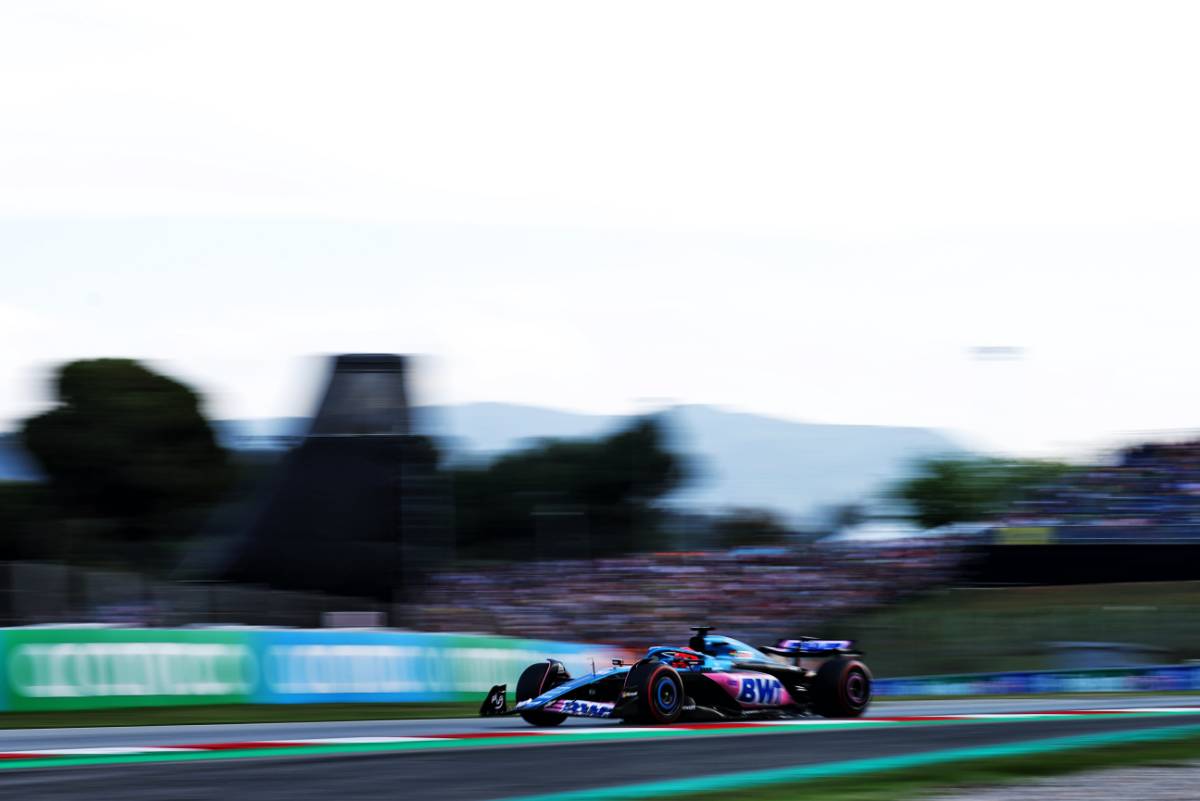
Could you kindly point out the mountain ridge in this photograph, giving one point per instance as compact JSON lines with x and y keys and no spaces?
{"x":742,"y":459}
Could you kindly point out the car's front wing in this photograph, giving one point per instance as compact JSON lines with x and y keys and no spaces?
{"x":581,"y":708}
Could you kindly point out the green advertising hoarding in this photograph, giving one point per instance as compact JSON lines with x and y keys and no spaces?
{"x":90,"y":668}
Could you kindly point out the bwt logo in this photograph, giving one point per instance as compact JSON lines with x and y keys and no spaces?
{"x":765,"y":691}
{"x":585,"y":709}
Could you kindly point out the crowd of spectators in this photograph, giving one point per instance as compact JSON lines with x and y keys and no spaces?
{"x":1153,"y":484}
{"x":758,"y":594}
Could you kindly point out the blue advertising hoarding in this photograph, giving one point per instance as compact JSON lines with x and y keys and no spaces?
{"x":297,"y":667}
{"x":1155,"y":678}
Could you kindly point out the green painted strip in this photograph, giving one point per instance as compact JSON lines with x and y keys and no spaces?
{"x":829,"y":770}
{"x":614,"y":734}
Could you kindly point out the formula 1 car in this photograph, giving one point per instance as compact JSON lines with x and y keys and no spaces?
{"x":714,"y":678}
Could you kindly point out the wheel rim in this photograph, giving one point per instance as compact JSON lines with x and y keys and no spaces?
{"x":856,"y":688}
{"x":666,"y":694}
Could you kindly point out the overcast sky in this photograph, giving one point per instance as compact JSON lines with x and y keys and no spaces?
{"x":812,"y":210}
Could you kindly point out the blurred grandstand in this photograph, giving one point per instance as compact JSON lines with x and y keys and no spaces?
{"x":1148,"y":487}
{"x":1134,"y":519}
{"x":747,"y":592}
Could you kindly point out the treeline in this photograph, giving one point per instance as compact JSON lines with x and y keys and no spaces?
{"x":131,"y":464}
{"x":568,"y":498}
{"x":945,"y":491}
{"x":133,"y":471}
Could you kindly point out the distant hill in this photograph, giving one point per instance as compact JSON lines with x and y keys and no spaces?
{"x":15,"y":463}
{"x":741,"y":459}
{"x":796,"y":468}
{"x":485,"y":429}
{"x":264,"y":434}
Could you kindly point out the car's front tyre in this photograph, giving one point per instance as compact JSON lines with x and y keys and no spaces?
{"x":535,"y":680}
{"x":659,"y":692}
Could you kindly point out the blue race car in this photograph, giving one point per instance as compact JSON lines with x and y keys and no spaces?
{"x":713,"y":678}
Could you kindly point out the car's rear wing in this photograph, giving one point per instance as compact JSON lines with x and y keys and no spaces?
{"x":812,"y":648}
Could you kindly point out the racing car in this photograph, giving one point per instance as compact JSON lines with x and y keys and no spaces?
{"x":713,"y":678}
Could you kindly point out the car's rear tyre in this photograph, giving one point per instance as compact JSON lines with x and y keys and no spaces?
{"x":841,"y":689}
{"x":660,"y":692}
{"x":534,"y":681}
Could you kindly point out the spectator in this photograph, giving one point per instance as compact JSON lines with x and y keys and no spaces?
{"x":751,"y":593}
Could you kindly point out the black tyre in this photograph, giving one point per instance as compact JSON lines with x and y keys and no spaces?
{"x":534,"y":681}
{"x":660,"y":692}
{"x":841,"y":689}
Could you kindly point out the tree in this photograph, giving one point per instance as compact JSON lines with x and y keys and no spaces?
{"x":568,"y":497}
{"x":127,"y":451}
{"x":968,"y":490}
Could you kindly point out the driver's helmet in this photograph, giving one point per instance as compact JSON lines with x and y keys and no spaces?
{"x":721,"y":646}
{"x":683,"y":661}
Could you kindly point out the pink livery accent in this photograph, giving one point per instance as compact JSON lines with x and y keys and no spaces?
{"x":581,"y":708}
{"x":753,"y":689}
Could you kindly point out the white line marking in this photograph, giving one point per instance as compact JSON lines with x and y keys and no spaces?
{"x":102,"y":751}
{"x":1152,"y":709}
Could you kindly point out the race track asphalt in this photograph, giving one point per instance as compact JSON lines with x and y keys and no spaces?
{"x":506,"y":769}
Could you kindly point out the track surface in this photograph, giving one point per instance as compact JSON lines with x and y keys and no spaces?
{"x":504,"y":768}
{"x":29,"y":739}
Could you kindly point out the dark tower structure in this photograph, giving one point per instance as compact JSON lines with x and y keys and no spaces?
{"x":358,"y":508}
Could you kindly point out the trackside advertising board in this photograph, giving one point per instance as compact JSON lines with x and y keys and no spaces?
{"x":336,"y":666}
{"x":1157,"y":678}
{"x":93,"y":668}
{"x":89,"y":668}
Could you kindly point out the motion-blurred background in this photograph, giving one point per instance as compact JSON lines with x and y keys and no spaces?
{"x":125,"y":505}
{"x":514,"y":323}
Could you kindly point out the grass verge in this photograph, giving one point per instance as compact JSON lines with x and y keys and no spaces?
{"x":977,"y":630}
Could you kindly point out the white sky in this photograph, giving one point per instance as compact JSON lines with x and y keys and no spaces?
{"x":808,"y":210}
